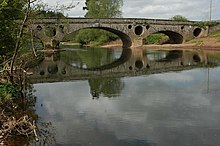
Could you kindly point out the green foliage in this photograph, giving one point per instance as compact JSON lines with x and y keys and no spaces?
{"x":3,"y":4}
{"x":157,"y":38}
{"x":207,"y":23}
{"x":48,"y":14}
{"x":109,"y":87}
{"x":94,"y":37}
{"x":103,"y":8}
{"x":214,"y":56}
{"x":99,"y":9}
{"x":9,"y":11}
{"x":8,"y":92}
{"x":92,"y":57}
{"x":179,"y":18}
{"x":216,"y":34}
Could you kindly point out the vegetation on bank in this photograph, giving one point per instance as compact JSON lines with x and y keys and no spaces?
{"x":206,"y":24}
{"x":215,"y":34}
{"x":17,"y":114}
{"x":157,"y":39}
{"x":212,"y":40}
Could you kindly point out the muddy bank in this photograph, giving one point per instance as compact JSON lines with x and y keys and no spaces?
{"x":201,"y":43}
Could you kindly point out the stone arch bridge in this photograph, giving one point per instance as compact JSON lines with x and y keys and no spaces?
{"x":131,"y":31}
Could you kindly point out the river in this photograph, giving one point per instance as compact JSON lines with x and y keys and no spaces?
{"x":115,"y":97}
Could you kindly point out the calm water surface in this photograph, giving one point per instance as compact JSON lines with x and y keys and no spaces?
{"x":174,"y":108}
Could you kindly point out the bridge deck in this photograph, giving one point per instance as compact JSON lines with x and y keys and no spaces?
{"x":113,"y":20}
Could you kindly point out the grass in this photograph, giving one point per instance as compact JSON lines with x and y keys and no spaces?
{"x":215,"y":34}
{"x":215,"y":56}
{"x":197,"y":42}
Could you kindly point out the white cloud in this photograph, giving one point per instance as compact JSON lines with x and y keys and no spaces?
{"x":194,"y":10}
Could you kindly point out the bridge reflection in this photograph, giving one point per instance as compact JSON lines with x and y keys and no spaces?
{"x":104,"y":68}
{"x":131,"y":63}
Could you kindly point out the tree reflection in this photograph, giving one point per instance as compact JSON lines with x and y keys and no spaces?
{"x":88,"y":58}
{"x":108,"y":87}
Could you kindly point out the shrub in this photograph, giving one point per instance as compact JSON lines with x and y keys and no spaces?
{"x":207,"y":23}
{"x":8,"y":92}
{"x":157,"y":38}
{"x":94,"y":37}
{"x":179,"y":18}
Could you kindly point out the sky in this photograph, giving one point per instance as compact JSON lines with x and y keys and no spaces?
{"x":155,"y":9}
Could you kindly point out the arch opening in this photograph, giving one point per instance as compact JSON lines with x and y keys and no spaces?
{"x":196,"y":58}
{"x":39,"y":28}
{"x":50,"y":31}
{"x":197,"y":32}
{"x":112,"y":34}
{"x":148,"y":27}
{"x":139,"y":64}
{"x":164,"y":37}
{"x":138,"y":30}
{"x":174,"y":37}
{"x":52,"y":68}
{"x":129,"y":26}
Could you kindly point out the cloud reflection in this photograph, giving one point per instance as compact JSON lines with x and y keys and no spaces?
{"x":153,"y":110}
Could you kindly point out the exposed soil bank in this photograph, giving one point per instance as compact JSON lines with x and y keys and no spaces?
{"x":203,"y":43}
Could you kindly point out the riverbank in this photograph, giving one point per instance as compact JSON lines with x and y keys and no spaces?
{"x":206,"y":43}
{"x":210,"y":42}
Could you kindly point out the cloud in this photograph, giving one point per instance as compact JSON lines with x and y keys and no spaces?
{"x":156,"y":9}
{"x":165,"y":9}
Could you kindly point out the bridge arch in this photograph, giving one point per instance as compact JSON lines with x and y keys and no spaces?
{"x":126,"y":40}
{"x":174,"y":37}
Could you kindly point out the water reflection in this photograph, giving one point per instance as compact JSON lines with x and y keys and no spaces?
{"x":87,"y":64}
{"x":109,"y":87}
{"x":168,"y":108}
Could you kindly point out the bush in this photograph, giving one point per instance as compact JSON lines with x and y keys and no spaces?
{"x":155,"y":38}
{"x":8,"y":92}
{"x":94,"y":37}
{"x":207,"y":23}
{"x":179,"y":18}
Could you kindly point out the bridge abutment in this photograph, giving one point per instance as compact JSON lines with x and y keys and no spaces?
{"x":52,"y":44}
{"x":137,"y":42}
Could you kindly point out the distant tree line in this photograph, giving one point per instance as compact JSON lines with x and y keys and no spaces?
{"x":179,"y":18}
{"x":49,"y":14}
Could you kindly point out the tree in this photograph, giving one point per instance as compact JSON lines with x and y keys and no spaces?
{"x":179,"y":18}
{"x":99,"y":9}
{"x":9,"y":11}
{"x":108,"y":87}
{"x":103,"y":8}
